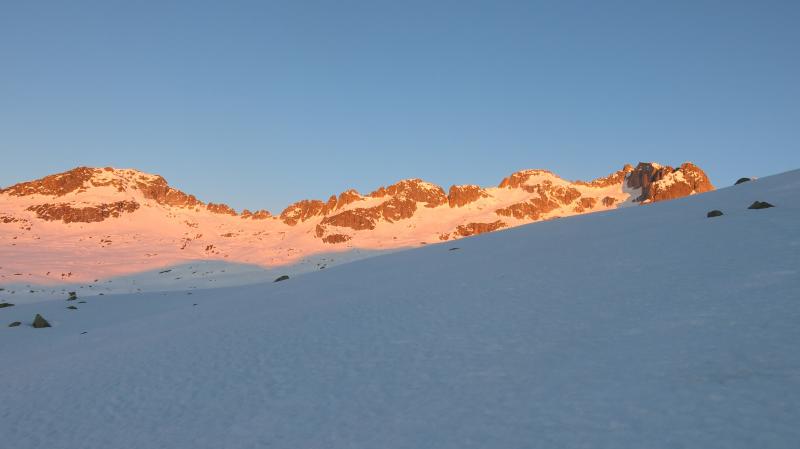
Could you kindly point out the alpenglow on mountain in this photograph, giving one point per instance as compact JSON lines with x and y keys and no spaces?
{"x":94,"y":223}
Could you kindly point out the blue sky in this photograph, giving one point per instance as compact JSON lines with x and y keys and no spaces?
{"x":261,"y":103}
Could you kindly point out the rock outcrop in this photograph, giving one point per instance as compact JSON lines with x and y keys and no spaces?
{"x":261,"y":214}
{"x":585,"y":204}
{"x":609,"y":201}
{"x":59,"y":184}
{"x":519,"y":180}
{"x":415,"y":190}
{"x":400,"y":202}
{"x":301,"y":211}
{"x":546,"y":197}
{"x":461,"y":195}
{"x":357,"y":219}
{"x":336,"y":238}
{"x":760,"y":205}
{"x":39,"y":322}
{"x":660,"y":183}
{"x":89,"y":214}
{"x":348,"y":197}
{"x":157,"y":189}
{"x":613,"y":179}
{"x":478,"y":228}
{"x":221,"y":209}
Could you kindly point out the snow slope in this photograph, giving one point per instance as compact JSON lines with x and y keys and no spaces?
{"x":642,"y":327}
{"x":197,"y":274}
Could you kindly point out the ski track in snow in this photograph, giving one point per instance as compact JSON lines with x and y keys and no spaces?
{"x":643,"y":327}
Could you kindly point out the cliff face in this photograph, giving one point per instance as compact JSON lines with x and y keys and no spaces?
{"x":659,"y":183}
{"x":146,"y":211}
{"x":460,"y":196}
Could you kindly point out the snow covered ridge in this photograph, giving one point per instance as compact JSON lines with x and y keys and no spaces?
{"x":648,"y":327}
{"x":93,"y":223}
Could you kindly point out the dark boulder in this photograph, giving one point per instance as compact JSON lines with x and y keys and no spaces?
{"x":714,"y":213}
{"x":14,"y":324}
{"x":742,"y":180}
{"x":72,"y":308}
{"x":39,"y":322}
{"x":282,"y":278}
{"x":5,"y":304}
{"x":760,"y":205}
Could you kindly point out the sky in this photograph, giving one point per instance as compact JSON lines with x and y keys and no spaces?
{"x":259,"y":104}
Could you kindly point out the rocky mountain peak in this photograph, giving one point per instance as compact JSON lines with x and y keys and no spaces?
{"x":91,"y":187}
{"x":526,"y":178}
{"x":301,"y":211}
{"x":55,"y":185}
{"x":415,"y":190}
{"x":662,"y":182}
{"x":81,"y":180}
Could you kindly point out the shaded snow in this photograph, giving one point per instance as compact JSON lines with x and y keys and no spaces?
{"x":651,"y":326}
{"x":197,"y":274}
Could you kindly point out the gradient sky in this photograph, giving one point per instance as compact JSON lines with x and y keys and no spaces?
{"x":261,"y":103}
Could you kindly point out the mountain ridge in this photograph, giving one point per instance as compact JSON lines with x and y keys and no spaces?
{"x":156,"y":187}
{"x":50,"y":227}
